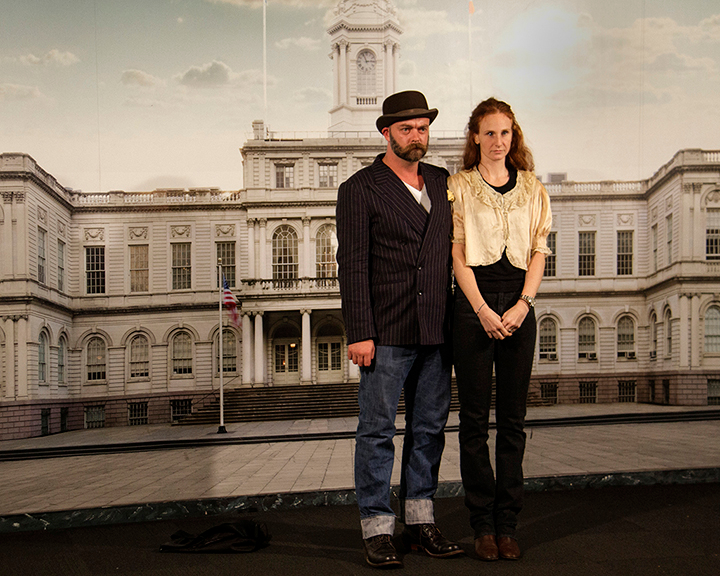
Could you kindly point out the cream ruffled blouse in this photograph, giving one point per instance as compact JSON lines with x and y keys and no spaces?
{"x":488,"y":222}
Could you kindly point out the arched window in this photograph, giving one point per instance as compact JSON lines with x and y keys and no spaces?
{"x":712,"y":329}
{"x":586,"y":339}
{"x":626,"y":337}
{"x":139,"y":357}
{"x":61,"y":359}
{"x":547,"y":338}
{"x":654,"y":334}
{"x":668,"y":333}
{"x":42,"y":358}
{"x":229,"y":352}
{"x":325,"y":246}
{"x":96,"y":362}
{"x":182,"y":356}
{"x":285,"y":253}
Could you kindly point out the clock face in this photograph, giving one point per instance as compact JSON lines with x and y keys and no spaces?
{"x":366,"y":61}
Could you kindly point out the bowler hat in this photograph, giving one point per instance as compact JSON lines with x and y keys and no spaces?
{"x":404,"y":105}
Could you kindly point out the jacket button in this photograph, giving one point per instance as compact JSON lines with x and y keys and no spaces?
{"x":419,"y":293}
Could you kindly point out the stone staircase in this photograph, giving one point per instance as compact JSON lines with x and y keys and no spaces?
{"x":297,"y":403}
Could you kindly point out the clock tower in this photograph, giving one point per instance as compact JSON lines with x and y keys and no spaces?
{"x":365,"y":49}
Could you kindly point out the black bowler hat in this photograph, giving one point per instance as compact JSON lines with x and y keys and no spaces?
{"x":402,"y":106}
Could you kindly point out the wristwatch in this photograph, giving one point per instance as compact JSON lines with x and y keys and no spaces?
{"x":529,"y":300}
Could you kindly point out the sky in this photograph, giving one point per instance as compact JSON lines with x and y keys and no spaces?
{"x":144,"y":94}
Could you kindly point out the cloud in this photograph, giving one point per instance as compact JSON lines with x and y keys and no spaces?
{"x":211,"y":75}
{"x":313,"y":95}
{"x":19,"y":92}
{"x":675,"y":63}
{"x":134,"y":77}
{"x":422,"y":23}
{"x":710,"y":28}
{"x":52,"y":58}
{"x":304,"y":43}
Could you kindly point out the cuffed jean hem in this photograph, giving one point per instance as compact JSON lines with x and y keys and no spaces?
{"x":419,"y":511}
{"x":376,"y":525}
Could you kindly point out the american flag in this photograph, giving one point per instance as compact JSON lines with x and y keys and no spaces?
{"x":230,"y":303}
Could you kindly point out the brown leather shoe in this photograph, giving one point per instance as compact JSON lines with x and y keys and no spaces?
{"x":380,"y":552}
{"x":508,"y":548}
{"x":427,"y":537}
{"x":486,"y":548}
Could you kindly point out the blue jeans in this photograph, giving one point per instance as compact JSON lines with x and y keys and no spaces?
{"x":494,"y":501}
{"x":424,"y":373}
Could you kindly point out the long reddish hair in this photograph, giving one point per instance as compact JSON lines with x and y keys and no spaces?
{"x":519,"y":156}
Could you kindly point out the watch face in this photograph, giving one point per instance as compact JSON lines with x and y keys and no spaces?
{"x":366,"y":60}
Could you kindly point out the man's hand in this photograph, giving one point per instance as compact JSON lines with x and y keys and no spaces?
{"x":362,"y":353}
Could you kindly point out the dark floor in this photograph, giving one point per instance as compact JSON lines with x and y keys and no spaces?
{"x":650,"y":530}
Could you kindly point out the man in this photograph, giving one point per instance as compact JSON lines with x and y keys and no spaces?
{"x":394,"y":224}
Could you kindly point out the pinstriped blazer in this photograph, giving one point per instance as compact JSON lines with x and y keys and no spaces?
{"x":393,"y":258}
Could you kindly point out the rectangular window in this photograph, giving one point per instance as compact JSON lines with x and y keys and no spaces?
{"x":654,"y":246}
{"x":284,"y":176}
{"x":181,"y":266}
{"x":139,"y":268}
{"x":624,"y":252}
{"x":712,"y":234}
{"x":64,"y":412}
{"x":651,"y":385}
{"x":588,"y":392}
{"x":666,"y":391}
{"x":328,"y":175}
{"x":137,"y":413}
{"x":586,"y":254}
{"x":180,"y":408}
{"x":226,"y":255}
{"x":713,"y":392}
{"x":95,"y":269}
{"x":42,"y":250}
{"x":61,"y":266}
{"x":549,"y":392}
{"x":94,"y":416}
{"x":550,"y":259}
{"x":626,"y":391}
{"x":669,"y":238}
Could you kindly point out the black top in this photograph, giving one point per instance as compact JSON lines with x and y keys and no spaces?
{"x":501,"y":276}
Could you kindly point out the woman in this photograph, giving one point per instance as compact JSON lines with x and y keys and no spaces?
{"x":501,"y":216}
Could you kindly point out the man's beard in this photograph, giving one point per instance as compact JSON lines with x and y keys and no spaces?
{"x":412,"y":152}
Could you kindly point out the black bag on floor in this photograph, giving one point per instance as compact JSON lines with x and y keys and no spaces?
{"x":242,"y":536}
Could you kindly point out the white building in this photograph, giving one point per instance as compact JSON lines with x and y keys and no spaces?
{"x":109,"y":302}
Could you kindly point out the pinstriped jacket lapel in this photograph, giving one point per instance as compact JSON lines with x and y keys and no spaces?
{"x":396,"y":195}
{"x":437,"y":191}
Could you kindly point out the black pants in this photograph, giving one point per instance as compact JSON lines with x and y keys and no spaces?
{"x":494,"y":502}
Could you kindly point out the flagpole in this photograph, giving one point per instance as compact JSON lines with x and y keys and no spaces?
{"x":265,"y":62}
{"x":221,"y":428}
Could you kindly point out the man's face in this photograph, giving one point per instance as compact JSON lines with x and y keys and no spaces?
{"x":409,"y":138}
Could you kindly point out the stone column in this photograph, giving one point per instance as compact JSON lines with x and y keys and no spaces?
{"x":696,"y":344}
{"x":252,"y":273}
{"x":22,"y":357}
{"x":21,"y":239}
{"x":259,"y":350}
{"x":261,"y":266}
{"x":307,"y":271}
{"x":396,"y":54}
{"x":306,"y":376}
{"x":9,"y":358}
{"x":7,"y":230}
{"x":334,"y":56}
{"x":247,"y":349}
{"x":343,"y":76}
{"x":684,"y":324}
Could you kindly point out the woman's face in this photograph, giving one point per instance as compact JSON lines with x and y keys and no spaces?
{"x":494,"y":137}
